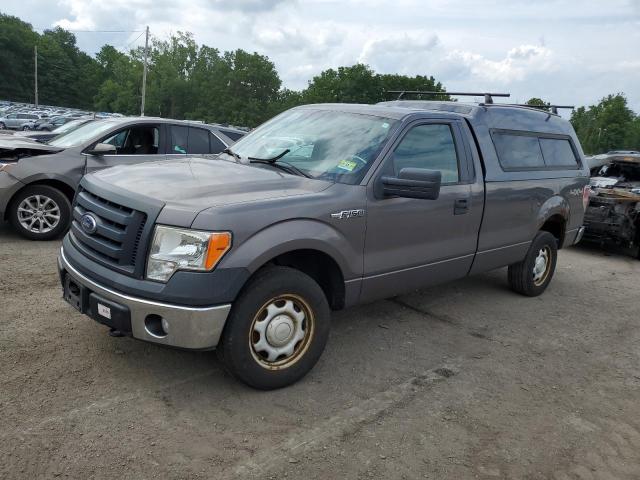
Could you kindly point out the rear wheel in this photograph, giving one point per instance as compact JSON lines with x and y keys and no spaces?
{"x":25,"y":127}
{"x":2,"y":126}
{"x":277,"y":329}
{"x":532,"y":275}
{"x":40,"y":212}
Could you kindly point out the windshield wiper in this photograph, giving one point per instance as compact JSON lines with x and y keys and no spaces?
{"x":272,"y":159}
{"x":228,"y":151}
{"x":287,"y":167}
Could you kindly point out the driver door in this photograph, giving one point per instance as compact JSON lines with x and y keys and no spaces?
{"x":134,"y":144}
{"x":412,"y":243}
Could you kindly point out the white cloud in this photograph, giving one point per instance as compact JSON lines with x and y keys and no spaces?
{"x":517,"y":64}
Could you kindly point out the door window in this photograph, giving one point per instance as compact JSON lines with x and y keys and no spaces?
{"x":198,"y":141}
{"x":179,"y":140}
{"x":216,"y":144}
{"x":235,"y":136}
{"x":142,"y":140}
{"x":428,"y":146}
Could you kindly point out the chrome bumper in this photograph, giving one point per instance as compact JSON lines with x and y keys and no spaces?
{"x":188,"y":327}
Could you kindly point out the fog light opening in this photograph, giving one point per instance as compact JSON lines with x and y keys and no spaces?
{"x":156,"y":326}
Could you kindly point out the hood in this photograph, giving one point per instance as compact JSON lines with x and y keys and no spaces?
{"x":194,"y":184}
{"x":13,"y":148}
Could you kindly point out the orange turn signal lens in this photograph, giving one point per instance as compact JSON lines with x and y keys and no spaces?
{"x":219,"y":244}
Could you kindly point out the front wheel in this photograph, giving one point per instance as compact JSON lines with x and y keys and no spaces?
{"x":40,"y":212}
{"x":2,"y":126}
{"x":532,"y":275}
{"x":25,"y":128}
{"x":277,"y":329}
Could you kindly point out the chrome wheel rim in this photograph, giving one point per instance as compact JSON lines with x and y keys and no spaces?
{"x":38,"y":214}
{"x":281,"y":332}
{"x":541,"y":266}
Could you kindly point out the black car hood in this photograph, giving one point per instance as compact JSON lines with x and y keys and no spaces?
{"x":194,"y":184}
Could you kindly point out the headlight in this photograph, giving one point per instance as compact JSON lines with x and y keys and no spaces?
{"x":175,"y":249}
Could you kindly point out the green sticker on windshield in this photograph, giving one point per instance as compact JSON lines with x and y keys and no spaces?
{"x":348,"y":165}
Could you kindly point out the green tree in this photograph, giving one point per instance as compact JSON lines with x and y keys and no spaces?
{"x":17,"y":40}
{"x":121,"y":82}
{"x":360,"y":84}
{"x":609,"y":125}
{"x":537,"y":102}
{"x":354,"y":84}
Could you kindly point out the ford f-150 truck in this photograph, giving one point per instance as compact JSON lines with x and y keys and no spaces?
{"x":321,"y":208}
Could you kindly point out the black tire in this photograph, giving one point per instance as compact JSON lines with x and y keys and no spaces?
{"x":25,"y":128}
{"x":57,"y":197}
{"x":237,"y":350}
{"x":2,"y":126}
{"x":522,"y":277}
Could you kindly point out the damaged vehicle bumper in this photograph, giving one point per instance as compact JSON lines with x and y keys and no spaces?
{"x":8,"y":187}
{"x":613,"y":214}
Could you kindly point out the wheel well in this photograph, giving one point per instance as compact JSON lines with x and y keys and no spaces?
{"x":556,"y":226}
{"x":63,"y":187}
{"x":322,"y":268}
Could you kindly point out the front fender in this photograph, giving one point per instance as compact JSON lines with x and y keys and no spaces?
{"x":297,"y":234}
{"x":39,"y":177}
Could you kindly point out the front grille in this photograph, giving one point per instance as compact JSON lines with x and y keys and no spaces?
{"x":118,"y":232}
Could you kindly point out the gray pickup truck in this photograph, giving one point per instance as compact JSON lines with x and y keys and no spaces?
{"x":321,"y":208}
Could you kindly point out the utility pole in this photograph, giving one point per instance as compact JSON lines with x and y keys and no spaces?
{"x":144,"y":71}
{"x":35,"y":60}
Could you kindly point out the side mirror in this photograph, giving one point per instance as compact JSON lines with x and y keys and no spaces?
{"x":413,"y":183}
{"x":102,"y":149}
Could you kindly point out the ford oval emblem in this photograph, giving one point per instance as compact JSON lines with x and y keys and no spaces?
{"x":89,"y":223}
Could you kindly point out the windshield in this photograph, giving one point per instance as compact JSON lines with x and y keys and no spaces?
{"x":83,"y":134}
{"x":326,"y":144}
{"x":67,"y":127}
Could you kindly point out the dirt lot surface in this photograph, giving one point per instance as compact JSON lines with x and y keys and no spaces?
{"x":467,"y":380}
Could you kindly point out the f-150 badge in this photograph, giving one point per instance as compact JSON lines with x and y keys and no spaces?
{"x":348,"y":214}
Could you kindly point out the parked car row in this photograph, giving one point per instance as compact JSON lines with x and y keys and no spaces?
{"x":22,"y":116}
{"x":43,"y":135}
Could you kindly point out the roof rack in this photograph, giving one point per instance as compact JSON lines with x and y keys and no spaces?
{"x":553,"y":108}
{"x":488,"y":97}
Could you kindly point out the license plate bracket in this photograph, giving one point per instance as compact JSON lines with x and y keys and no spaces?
{"x":111,"y":314}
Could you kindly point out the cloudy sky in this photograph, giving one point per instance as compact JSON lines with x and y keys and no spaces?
{"x":569,"y":52}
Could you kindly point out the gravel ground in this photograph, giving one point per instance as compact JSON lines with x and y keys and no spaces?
{"x":466,"y":380}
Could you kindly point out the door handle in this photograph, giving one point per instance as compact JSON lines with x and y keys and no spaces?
{"x":461,"y":206}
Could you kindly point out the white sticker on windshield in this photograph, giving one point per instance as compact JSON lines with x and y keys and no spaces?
{"x":385,"y":125}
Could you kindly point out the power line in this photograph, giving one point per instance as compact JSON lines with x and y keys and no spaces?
{"x":51,"y":27}
{"x":103,"y":31}
{"x":134,"y":41}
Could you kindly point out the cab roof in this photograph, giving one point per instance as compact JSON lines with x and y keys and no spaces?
{"x":493,"y":116}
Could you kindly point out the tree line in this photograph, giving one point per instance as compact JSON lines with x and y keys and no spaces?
{"x":190,"y":81}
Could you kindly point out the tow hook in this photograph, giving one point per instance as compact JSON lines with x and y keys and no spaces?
{"x":115,"y":333}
